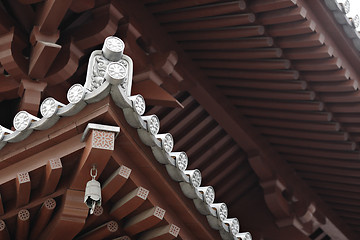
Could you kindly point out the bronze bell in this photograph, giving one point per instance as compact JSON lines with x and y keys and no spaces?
{"x":92,"y":193}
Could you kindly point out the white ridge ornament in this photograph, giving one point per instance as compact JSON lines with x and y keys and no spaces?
{"x":115,"y":73}
{"x":113,"y":48}
{"x":76,"y":93}
{"x":221,"y":210}
{"x":195,"y":177}
{"x":22,"y":120}
{"x":356,"y":21}
{"x":49,"y":107}
{"x":209,"y":195}
{"x":154,"y":124}
{"x":4,"y":131}
{"x":167,"y":141}
{"x":345,"y":4}
{"x":234,"y":225}
{"x":182,"y":161}
{"x":138,"y":103}
{"x":244,"y":236}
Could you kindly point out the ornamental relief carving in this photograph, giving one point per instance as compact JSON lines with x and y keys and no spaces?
{"x":100,"y":64}
{"x":103,"y":139}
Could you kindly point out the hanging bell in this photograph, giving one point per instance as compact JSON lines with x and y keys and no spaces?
{"x":92,"y":193}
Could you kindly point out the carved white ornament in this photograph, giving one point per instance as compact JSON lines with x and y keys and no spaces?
{"x":168,"y":143}
{"x":139,"y":104}
{"x":21,"y":121}
{"x":356,"y":21}
{"x":114,"y":44}
{"x":195,"y":178}
{"x":346,"y":5}
{"x":182,"y":161}
{"x":154,"y":124}
{"x":48,"y":107}
{"x":116,"y":70}
{"x":209,"y":195}
{"x":76,"y":93}
{"x":223,"y":212}
{"x":4,"y":131}
{"x":98,"y":72}
{"x":244,"y":236}
{"x":234,"y":226}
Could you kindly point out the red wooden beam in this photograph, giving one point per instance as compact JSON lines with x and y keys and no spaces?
{"x":154,"y":94}
{"x":4,"y":234}
{"x":221,"y":8}
{"x":23,"y":189}
{"x":144,"y":220}
{"x":11,"y":57}
{"x":53,"y":172}
{"x":43,"y":218}
{"x":129,"y":203}
{"x":114,"y":183}
{"x":30,"y":92}
{"x":51,"y":14}
{"x":1,"y":206}
{"x":101,"y":232}
{"x":82,"y":5}
{"x":23,"y":225}
{"x":71,"y":216}
{"x":167,"y":232}
{"x":42,"y":56}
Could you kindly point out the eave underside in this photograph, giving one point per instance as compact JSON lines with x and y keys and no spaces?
{"x":266,"y":85}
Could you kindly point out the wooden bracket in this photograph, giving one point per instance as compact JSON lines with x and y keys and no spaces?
{"x":99,"y":147}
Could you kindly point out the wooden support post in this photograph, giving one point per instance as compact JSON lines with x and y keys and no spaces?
{"x":43,"y":217}
{"x":51,"y":14}
{"x":279,"y":206}
{"x":11,"y":44}
{"x":1,"y":207}
{"x":42,"y":56}
{"x":101,"y":232}
{"x":23,"y":224}
{"x":144,"y":220}
{"x":105,"y":23}
{"x":30,"y":93}
{"x":164,"y":233}
{"x":129,"y":203}
{"x":23,"y":189}
{"x":113,"y":184}
{"x":4,"y":234}
{"x":52,"y":176}
{"x":71,"y":216}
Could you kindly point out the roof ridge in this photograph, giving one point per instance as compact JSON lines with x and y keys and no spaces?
{"x":110,"y":72}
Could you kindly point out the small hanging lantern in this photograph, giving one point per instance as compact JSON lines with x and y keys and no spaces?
{"x":93,"y":191}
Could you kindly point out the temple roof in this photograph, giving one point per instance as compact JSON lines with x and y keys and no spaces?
{"x":269,"y":91}
{"x":116,"y":80}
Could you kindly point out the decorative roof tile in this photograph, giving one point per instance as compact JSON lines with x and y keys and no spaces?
{"x":103,"y":80}
{"x":339,"y":9}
